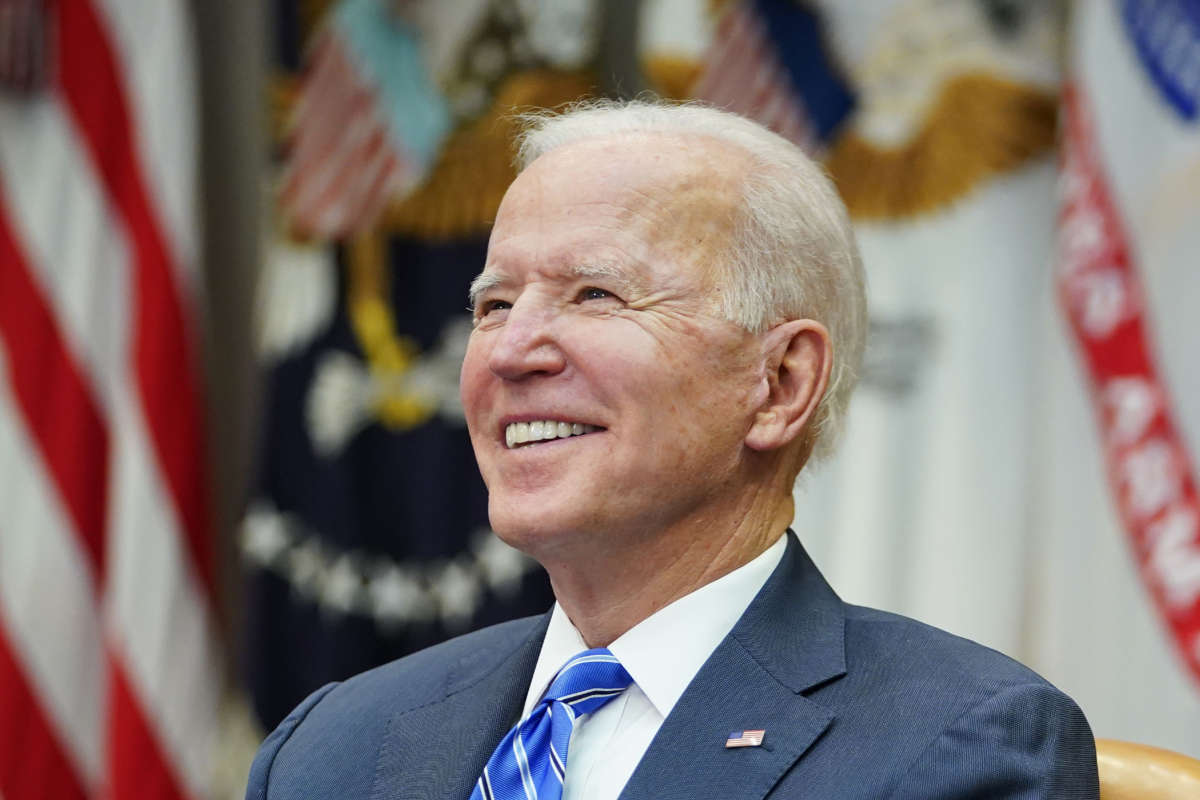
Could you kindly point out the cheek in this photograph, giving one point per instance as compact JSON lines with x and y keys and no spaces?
{"x":715,"y":390}
{"x":472,"y":382}
{"x":687,"y":400}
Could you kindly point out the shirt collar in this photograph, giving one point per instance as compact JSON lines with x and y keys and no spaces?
{"x":664,"y":651}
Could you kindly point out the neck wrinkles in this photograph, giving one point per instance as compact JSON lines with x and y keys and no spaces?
{"x":613,"y":589}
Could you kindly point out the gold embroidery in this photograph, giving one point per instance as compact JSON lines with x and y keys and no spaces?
{"x":980,"y":126}
{"x":474,"y":169}
{"x":389,"y":354}
{"x":672,"y":76}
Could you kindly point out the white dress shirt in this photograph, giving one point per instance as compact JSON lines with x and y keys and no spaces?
{"x":662,"y":653}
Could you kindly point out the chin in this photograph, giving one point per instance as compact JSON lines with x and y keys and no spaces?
{"x":539,"y":533}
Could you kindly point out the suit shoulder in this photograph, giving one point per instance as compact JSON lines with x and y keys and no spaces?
{"x":948,"y":717}
{"x":919,"y":649}
{"x":425,"y":672}
{"x":328,"y":746}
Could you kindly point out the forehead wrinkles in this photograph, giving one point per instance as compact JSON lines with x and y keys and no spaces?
{"x":669,"y":201}
{"x":688,"y":222}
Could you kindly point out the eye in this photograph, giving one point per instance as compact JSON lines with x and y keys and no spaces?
{"x":486,"y":307}
{"x":594,"y":293}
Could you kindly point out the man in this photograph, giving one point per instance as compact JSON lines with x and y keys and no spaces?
{"x":667,"y":327}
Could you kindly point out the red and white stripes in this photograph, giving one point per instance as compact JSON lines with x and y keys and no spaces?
{"x":342,"y":166}
{"x":108,"y":665}
{"x":742,"y":74}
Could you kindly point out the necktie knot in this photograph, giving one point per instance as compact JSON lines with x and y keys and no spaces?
{"x":588,"y":681}
{"x":530,"y":762}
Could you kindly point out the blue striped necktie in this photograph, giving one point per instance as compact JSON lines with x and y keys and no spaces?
{"x":531,"y":760}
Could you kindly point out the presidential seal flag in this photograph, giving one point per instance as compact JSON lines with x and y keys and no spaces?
{"x":367,"y":537}
{"x":108,"y":662}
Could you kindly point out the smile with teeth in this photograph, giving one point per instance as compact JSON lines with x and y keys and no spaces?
{"x":519,"y":433}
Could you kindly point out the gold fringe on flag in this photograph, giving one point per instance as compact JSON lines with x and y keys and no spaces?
{"x":474,"y":169}
{"x":672,"y":76}
{"x":980,"y":126}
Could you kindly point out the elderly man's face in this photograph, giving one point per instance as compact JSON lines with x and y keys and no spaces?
{"x":597,"y":315}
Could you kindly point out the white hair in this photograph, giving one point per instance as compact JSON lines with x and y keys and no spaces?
{"x":793,"y":254}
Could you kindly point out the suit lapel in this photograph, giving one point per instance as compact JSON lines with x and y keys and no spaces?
{"x":440,"y":749}
{"x":790,"y":639}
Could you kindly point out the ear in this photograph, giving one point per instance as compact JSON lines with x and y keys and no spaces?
{"x":799,"y":357}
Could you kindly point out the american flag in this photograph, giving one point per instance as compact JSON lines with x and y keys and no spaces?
{"x":366,"y":123}
{"x":342,"y":167}
{"x":767,"y":61}
{"x":745,"y":738}
{"x":743,"y":75}
{"x":108,"y":660}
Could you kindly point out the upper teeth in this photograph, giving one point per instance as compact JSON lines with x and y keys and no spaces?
{"x":521,"y":432}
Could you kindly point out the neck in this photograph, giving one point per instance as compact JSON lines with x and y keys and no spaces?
{"x":614,"y":588}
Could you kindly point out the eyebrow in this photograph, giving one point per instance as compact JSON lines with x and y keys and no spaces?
{"x":486,"y":281}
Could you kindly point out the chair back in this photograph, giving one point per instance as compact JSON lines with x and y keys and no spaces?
{"x":1131,"y":771}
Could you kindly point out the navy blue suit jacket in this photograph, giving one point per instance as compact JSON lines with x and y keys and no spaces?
{"x":855,"y":703}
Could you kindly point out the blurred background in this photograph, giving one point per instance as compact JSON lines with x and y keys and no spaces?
{"x":235,"y":240}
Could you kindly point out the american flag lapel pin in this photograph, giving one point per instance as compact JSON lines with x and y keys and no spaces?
{"x":745,"y":739}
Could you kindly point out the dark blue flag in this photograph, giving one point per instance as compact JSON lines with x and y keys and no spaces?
{"x":367,"y":535}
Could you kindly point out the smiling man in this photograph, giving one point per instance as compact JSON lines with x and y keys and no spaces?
{"x":667,"y":329}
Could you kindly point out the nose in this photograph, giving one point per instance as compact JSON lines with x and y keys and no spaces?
{"x":526,"y":344}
